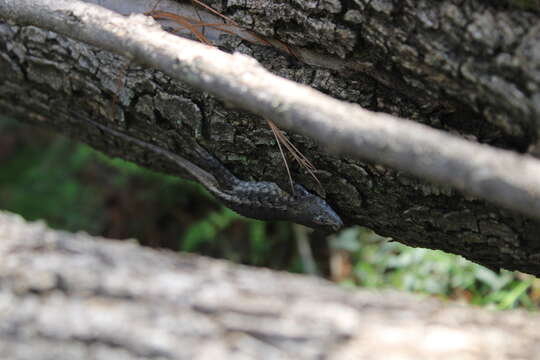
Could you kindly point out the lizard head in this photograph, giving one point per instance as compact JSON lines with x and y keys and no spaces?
{"x":314,"y":212}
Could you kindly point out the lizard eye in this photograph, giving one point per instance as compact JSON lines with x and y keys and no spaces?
{"x":330,"y":220}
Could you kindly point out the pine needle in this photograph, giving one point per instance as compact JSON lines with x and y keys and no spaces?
{"x":155,"y":6}
{"x":297,"y":154}
{"x":276,"y":133}
{"x":191,"y":24}
{"x":179,"y":19}
{"x":215,"y":12}
{"x":198,"y":16}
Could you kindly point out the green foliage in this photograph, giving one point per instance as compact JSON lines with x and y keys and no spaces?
{"x":379,"y":263}
{"x":260,"y":243}
{"x":30,"y":176}
{"x":208,"y":229}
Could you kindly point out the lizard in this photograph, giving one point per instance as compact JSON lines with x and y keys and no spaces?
{"x":261,"y":200}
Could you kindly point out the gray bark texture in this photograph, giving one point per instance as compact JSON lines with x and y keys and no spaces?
{"x":469,"y":68}
{"x":71,"y":296}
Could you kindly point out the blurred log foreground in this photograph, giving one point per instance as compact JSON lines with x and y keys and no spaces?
{"x":71,"y":296}
{"x":470,"y":68}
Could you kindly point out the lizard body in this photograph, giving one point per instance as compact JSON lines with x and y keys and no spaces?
{"x":256,"y":199}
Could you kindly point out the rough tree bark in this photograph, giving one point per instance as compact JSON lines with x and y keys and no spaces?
{"x":138,"y":303}
{"x":470,"y":68}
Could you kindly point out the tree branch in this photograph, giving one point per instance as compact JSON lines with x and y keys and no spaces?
{"x":505,"y":178}
{"x":87,"y":298}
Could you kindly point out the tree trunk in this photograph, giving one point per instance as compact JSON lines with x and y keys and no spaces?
{"x":71,"y":296}
{"x":470,"y":68}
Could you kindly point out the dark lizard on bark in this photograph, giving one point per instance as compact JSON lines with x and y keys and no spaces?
{"x":255,"y":199}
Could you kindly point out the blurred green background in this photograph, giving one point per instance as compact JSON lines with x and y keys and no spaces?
{"x":72,"y":187}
